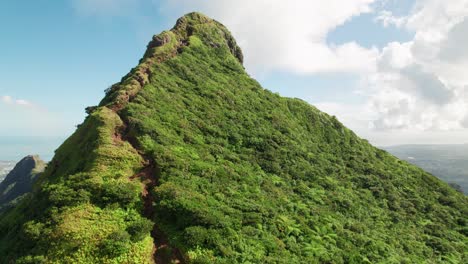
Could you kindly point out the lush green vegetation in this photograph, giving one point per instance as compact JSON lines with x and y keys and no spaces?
{"x":244,"y":175}
{"x":85,"y":209}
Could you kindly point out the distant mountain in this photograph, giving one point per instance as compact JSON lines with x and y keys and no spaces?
{"x":5,"y":168}
{"x":189,"y":160}
{"x":447,"y":162}
{"x":19,"y":181}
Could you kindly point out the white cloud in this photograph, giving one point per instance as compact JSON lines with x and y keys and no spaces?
{"x":23,"y":102}
{"x":354,"y":116}
{"x":422,"y":84}
{"x":23,"y":118}
{"x":388,"y":19}
{"x":358,"y":116}
{"x":290,"y":35}
{"x":6,"y":99}
{"x":452,"y":50}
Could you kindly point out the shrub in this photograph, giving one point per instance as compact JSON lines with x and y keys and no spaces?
{"x":139,"y":229}
{"x":116,"y":244}
{"x":123,"y":193}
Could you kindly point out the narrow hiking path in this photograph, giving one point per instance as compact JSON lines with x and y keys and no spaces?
{"x":126,"y":91}
{"x":163,"y":253}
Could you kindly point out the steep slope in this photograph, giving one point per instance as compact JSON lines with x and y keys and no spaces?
{"x":227,"y":172}
{"x":19,"y":181}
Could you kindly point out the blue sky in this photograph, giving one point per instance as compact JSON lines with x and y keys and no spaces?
{"x":59,"y":56}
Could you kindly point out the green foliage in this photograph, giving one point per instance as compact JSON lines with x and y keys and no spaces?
{"x":116,"y":243}
{"x":82,"y":203}
{"x":244,"y":175}
{"x":139,"y":229}
{"x":250,"y":177}
{"x":121,"y":193}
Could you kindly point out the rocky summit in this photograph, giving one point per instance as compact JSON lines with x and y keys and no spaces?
{"x":189,"y":160}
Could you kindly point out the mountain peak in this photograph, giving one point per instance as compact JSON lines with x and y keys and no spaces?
{"x":193,"y":18}
{"x":29,"y":161}
{"x":193,"y":29}
{"x":34,"y":158}
{"x":207,"y":29}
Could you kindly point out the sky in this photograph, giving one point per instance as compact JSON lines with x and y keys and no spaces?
{"x":391,"y":70}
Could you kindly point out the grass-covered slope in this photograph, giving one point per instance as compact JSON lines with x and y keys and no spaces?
{"x":86,"y":208}
{"x":229,"y":173}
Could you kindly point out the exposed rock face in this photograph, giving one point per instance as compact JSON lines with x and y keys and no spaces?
{"x":20,"y":180}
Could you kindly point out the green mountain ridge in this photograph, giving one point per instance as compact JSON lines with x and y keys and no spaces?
{"x":189,"y":160}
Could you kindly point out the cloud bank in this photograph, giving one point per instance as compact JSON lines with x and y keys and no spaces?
{"x":290,"y":35}
{"x":422,"y":84}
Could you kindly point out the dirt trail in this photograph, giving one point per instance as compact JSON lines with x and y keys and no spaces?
{"x":149,"y":175}
{"x":163,"y":253}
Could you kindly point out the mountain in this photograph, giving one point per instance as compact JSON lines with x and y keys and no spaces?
{"x":5,"y":167}
{"x":189,"y":160}
{"x":19,"y":181}
{"x":447,"y":162}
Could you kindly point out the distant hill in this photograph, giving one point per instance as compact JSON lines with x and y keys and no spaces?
{"x":19,"y":181}
{"x":187,"y":159}
{"x":447,"y":162}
